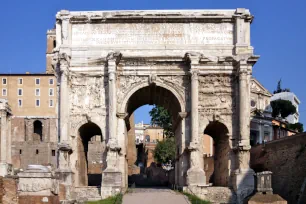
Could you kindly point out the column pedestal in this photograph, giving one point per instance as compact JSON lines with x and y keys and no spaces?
{"x":64,"y":172}
{"x":111,"y":176}
{"x":195,"y":174}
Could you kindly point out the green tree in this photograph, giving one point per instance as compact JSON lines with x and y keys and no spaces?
{"x":165,"y":151}
{"x":296,"y":126}
{"x":162,"y":118}
{"x":282,"y":108}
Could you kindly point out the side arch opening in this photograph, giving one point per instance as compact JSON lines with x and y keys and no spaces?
{"x":217,"y":163}
{"x":90,"y":147}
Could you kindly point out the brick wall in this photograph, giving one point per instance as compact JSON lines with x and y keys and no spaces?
{"x":33,"y":152}
{"x":286,"y":159}
{"x":8,"y":191}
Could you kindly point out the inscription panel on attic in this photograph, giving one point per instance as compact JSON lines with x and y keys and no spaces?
{"x":152,"y":34}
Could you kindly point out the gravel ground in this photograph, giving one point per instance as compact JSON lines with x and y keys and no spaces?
{"x":153,"y":196}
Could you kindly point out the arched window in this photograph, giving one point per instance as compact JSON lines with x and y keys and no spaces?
{"x":38,"y":129}
{"x":147,"y":138}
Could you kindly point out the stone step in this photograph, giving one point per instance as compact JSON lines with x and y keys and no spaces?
{"x":216,"y":195}
{"x":87,"y":193}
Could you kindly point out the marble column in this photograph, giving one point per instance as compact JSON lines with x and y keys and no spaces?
{"x":195,"y":174}
{"x":112,"y":100}
{"x":244,"y":175}
{"x":112,"y":178}
{"x":244,"y":103}
{"x":3,"y":135}
{"x":5,"y":166}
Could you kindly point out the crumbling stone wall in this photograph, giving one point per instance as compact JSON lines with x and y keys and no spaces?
{"x":286,"y":159}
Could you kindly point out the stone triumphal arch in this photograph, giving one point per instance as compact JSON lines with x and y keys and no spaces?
{"x":196,"y":63}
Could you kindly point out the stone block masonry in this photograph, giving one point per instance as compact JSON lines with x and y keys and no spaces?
{"x":286,"y":159}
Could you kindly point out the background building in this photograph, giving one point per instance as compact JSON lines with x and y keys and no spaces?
{"x":32,"y":98}
{"x":294,"y":118}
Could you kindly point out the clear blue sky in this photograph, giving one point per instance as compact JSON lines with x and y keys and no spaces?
{"x":278,"y":35}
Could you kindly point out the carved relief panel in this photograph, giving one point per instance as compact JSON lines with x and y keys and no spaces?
{"x":87,"y":93}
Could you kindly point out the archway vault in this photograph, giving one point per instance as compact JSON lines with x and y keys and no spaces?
{"x":156,"y":93}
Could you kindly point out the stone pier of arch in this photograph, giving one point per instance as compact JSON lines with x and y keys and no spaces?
{"x":196,"y":63}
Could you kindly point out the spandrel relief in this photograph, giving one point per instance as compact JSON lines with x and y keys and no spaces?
{"x":87,"y":93}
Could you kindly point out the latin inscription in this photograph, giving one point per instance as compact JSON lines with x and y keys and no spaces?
{"x":152,"y":34}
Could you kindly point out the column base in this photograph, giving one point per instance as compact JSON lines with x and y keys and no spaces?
{"x":5,"y":169}
{"x":111,"y":183}
{"x":196,"y":177}
{"x":243,"y":183}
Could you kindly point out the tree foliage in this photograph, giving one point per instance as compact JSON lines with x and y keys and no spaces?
{"x":282,"y":108}
{"x":296,"y":126}
{"x":162,"y":118}
{"x":165,"y":151}
{"x":279,"y":88}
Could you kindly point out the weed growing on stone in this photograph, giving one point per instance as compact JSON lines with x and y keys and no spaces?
{"x":195,"y":199}
{"x":117,"y":199}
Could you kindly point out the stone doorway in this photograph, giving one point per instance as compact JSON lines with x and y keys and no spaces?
{"x":90,"y":150}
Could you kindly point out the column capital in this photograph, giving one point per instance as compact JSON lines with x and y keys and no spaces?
{"x":113,"y":58}
{"x":122,"y":115}
{"x":193,"y":57}
{"x":244,"y":68}
{"x":183,"y":114}
{"x":194,"y":73}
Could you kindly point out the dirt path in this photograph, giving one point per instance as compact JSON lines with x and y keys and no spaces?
{"x":153,"y":196}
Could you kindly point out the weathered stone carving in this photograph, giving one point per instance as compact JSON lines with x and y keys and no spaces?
{"x":211,"y":84}
{"x":126,"y":84}
{"x":87,"y":93}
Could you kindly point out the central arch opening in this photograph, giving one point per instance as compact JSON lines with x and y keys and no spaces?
{"x":144,"y":169}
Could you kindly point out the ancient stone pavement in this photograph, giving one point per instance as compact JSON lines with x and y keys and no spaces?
{"x":154,"y":196}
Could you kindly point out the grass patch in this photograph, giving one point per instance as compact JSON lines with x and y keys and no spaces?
{"x":195,"y":199}
{"x":117,"y":199}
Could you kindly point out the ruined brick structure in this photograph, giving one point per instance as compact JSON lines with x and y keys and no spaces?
{"x":285,"y":157}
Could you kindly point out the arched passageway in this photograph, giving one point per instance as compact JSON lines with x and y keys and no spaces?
{"x":38,"y":131}
{"x":217,"y":165}
{"x":90,"y":151}
{"x":152,"y":95}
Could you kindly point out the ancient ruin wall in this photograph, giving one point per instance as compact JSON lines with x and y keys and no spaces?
{"x":286,"y":159}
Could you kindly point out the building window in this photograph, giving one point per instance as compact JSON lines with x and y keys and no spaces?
{"x":37,"y":81}
{"x":19,"y":92}
{"x":20,"y":81}
{"x":51,"y":81}
{"x":51,"y":92}
{"x":19,"y":103}
{"x":4,"y":92}
{"x":20,"y":151}
{"x":253,"y":103}
{"x":50,"y":103}
{"x":147,"y":138}
{"x":53,"y":152}
{"x":4,"y":81}
{"x":38,"y":129}
{"x":37,"y":92}
{"x":37,"y":152}
{"x":37,"y":102}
